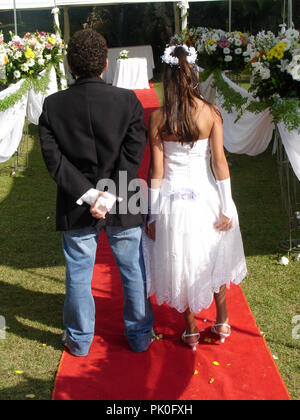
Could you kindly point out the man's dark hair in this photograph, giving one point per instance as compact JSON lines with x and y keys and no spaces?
{"x":87,"y":53}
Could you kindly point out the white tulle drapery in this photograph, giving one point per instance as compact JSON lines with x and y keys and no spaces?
{"x":252,"y":133}
{"x":12,"y":123}
{"x":12,"y":120}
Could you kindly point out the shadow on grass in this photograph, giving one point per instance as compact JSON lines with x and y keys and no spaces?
{"x":257,"y":194}
{"x":29,"y":389}
{"x":27,"y":235}
{"x":28,"y":246}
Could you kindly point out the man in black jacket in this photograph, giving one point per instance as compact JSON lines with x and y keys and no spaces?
{"x":94,"y":134}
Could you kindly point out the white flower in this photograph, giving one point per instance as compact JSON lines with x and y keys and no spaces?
{"x":212,"y":48}
{"x":41,"y":61}
{"x":265,"y":73}
{"x":18,"y":55}
{"x":238,"y":42}
{"x":30,"y":62}
{"x":24,"y":67}
{"x":283,"y":65}
{"x":17,"y":74}
{"x":216,"y":37}
{"x":294,"y":70}
{"x":170,"y":59}
{"x":238,"y":51}
{"x":284,"y":261}
{"x":16,"y":39}
{"x":228,"y":58}
{"x":292,"y":34}
{"x":226,"y":50}
{"x":48,"y":57}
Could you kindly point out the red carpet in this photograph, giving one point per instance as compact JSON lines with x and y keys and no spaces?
{"x":169,"y":370}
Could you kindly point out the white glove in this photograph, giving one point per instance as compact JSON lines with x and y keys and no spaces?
{"x":224,"y":188}
{"x":153,"y":204}
{"x":107,"y":201}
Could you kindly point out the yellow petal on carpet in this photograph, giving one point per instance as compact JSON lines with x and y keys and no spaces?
{"x":19,"y":372}
{"x":216,"y":363}
{"x":212,"y":380}
{"x":196,"y":372}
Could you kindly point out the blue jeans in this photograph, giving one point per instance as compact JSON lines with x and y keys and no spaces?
{"x":79,"y":311}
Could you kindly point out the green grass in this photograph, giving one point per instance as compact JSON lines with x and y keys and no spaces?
{"x":31,"y":281}
{"x":32,"y":273}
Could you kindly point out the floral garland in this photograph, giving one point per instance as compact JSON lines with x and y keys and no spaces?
{"x":282,"y":110}
{"x":39,"y":85}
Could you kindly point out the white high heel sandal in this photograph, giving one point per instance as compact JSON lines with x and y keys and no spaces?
{"x":193,"y":345}
{"x":222,"y":335}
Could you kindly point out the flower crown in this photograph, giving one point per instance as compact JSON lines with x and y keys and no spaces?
{"x":170,"y":59}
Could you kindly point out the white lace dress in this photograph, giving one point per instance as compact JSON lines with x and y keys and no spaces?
{"x":190,"y":259}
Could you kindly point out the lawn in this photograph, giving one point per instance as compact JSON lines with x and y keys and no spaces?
{"x":32,"y":273}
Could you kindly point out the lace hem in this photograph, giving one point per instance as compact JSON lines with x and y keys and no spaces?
{"x":197,"y":307}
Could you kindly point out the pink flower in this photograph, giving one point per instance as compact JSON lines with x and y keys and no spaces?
{"x":49,"y":46}
{"x":224,"y":43}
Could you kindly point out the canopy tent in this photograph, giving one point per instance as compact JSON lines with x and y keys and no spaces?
{"x":46,"y":4}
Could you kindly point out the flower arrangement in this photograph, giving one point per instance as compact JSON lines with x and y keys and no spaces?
{"x":28,"y":56}
{"x":3,"y":58}
{"x":222,"y":50}
{"x":275,"y":65}
{"x":124,"y":54}
{"x":216,"y":48}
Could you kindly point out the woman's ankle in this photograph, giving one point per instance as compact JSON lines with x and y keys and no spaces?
{"x":192,"y":329}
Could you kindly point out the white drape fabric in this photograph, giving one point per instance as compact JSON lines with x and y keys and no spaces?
{"x":291,"y":143}
{"x":133,"y":52}
{"x":36,"y":99}
{"x":131,"y":73}
{"x":12,"y":120}
{"x":11,"y":123}
{"x":252,"y":133}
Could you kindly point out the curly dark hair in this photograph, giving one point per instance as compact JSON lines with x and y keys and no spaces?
{"x":87,"y":53}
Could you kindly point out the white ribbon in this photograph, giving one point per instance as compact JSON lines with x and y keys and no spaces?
{"x":183,"y":4}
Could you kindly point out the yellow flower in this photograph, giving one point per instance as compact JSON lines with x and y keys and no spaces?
{"x":277,"y":51}
{"x":51,"y":40}
{"x":29,"y":53}
{"x":211,"y":42}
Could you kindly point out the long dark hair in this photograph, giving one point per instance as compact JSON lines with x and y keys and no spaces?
{"x":181,"y":88}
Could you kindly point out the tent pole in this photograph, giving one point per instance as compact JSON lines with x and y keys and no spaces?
{"x":66,"y":24}
{"x":290,"y":13}
{"x":15,"y":18}
{"x":176,"y":18}
{"x":230,"y":16}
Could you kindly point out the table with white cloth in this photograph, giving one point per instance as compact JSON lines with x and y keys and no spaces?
{"x":131,"y":73}
{"x":133,"y":52}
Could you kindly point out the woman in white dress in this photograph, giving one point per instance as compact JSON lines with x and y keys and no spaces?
{"x":192,"y":246}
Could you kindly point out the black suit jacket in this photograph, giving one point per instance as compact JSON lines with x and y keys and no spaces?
{"x":90,"y":132}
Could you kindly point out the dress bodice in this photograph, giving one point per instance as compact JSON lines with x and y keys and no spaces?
{"x":187,"y":165}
